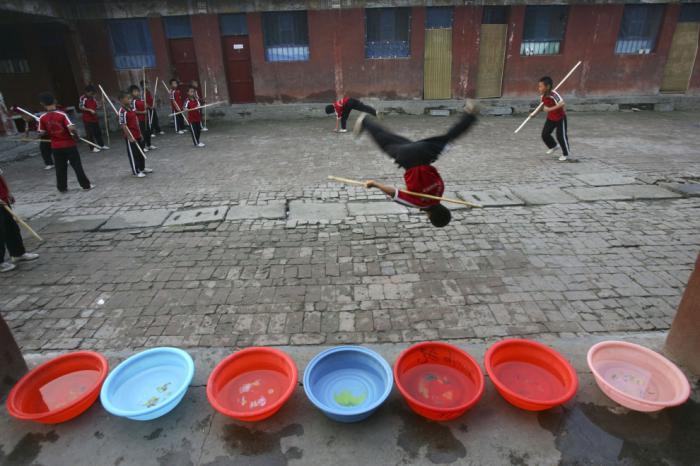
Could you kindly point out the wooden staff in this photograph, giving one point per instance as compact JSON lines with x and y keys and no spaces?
{"x":104,"y":110}
{"x":425,"y":196}
{"x":37,"y":119}
{"x":145,"y":102}
{"x":21,"y":222}
{"x":205,"y":107}
{"x":155,"y":91}
{"x":197,"y":108}
{"x":30,"y":140}
{"x":104,"y":94}
{"x":177,"y":106}
{"x":542,"y":103}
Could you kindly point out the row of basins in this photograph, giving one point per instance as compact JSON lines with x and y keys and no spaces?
{"x":348,"y":383}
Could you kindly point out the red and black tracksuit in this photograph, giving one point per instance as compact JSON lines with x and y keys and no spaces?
{"x":176,"y":104}
{"x":91,"y":120}
{"x":194,"y":117}
{"x":556,"y":119}
{"x":127,"y":117}
{"x":139,"y":105}
{"x":55,"y":124}
{"x":10,"y":236}
{"x":344,"y":106}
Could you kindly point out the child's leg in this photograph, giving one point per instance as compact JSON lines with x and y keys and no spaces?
{"x":176,"y":120}
{"x":45,"y":149}
{"x":146,"y":135}
{"x":195,"y":137}
{"x":547,"y":134}
{"x":155,"y":126}
{"x":361,"y":107}
{"x":76,"y":163}
{"x":344,"y":117}
{"x":97,"y":134}
{"x":132,"y":157}
{"x":563,"y":136}
{"x":139,"y":161}
{"x":61,"y":161}
{"x":197,"y":129}
{"x":10,"y":236}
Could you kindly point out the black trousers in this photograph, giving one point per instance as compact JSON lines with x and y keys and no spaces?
{"x":354,"y":104}
{"x":408,"y":154}
{"x":145,"y":133}
{"x":10,"y":236}
{"x":155,"y":126}
{"x":562,"y":135}
{"x":63,"y":157}
{"x":45,"y":149}
{"x":94,"y":134}
{"x":136,"y":160}
{"x":196,"y":131}
{"x":179,"y":121}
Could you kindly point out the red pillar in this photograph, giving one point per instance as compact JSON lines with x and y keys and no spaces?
{"x":683,"y":341}
{"x":163,"y":69}
{"x":465,"y":50}
{"x":12,"y":364}
{"x":207,"y":45}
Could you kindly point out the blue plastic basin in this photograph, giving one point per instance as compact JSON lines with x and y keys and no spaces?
{"x":348,"y":383}
{"x":149,"y":384}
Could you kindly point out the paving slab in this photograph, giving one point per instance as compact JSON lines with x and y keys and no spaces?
{"x":75,"y":223}
{"x":136,"y":219}
{"x":602,"y":193}
{"x":276,"y":210}
{"x":687,"y":189}
{"x":495,"y":198}
{"x":605,"y":179}
{"x":647,"y":192}
{"x":375,"y":208}
{"x":30,"y":210}
{"x":192,"y":216}
{"x":543,"y":196}
{"x":314,"y":211}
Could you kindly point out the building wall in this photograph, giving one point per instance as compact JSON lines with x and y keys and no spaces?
{"x":465,"y":50}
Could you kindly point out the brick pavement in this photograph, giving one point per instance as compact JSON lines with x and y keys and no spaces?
{"x":570,"y":267}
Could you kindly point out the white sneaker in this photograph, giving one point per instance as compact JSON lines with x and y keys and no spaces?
{"x":26,"y":257}
{"x":145,"y":149}
{"x":201,"y":144}
{"x":552,"y":150}
{"x":49,"y":167}
{"x":105,"y":147}
{"x":7,"y":266}
{"x":162,"y":132}
{"x":95,"y":149}
{"x":140,"y":175}
{"x":357,"y":129}
{"x":92,"y":186}
{"x":563,"y":158}
{"x":148,"y":170}
{"x":152,"y":147}
{"x":180,"y":132}
{"x":204,"y":128}
{"x":342,"y":130}
{"x":153,"y":135}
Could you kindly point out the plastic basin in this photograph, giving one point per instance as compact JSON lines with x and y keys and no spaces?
{"x":637,"y":377}
{"x":59,"y":389}
{"x":530,"y":375}
{"x":347,"y":383}
{"x":252,"y":384}
{"x":438,"y":381}
{"x":149,"y":384}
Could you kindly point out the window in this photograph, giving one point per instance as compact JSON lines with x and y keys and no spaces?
{"x":131,"y":44}
{"x":640,"y":26}
{"x":177,"y":27}
{"x":438,"y":17}
{"x":388,"y":33}
{"x":286,"y":36}
{"x":495,"y":15}
{"x":544,"y":30}
{"x":13,"y":59}
{"x":690,"y":13}
{"x":233,"y":25}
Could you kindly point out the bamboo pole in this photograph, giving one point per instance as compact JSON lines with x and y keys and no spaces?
{"x":529,"y":117}
{"x":205,"y":99}
{"x":30,"y":140}
{"x":155,"y":91}
{"x":37,"y":119}
{"x":145,"y":101}
{"x":425,"y":196}
{"x":104,"y":110}
{"x":197,"y":108}
{"x":104,"y":94}
{"x":19,"y":220}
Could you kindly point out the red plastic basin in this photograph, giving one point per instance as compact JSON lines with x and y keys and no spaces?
{"x":438,"y":381}
{"x":59,"y":389}
{"x":530,"y":375}
{"x":252,"y":384}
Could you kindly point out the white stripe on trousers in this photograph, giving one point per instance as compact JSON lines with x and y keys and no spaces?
{"x":131,"y":157}
{"x":565,"y":135}
{"x":175,"y":121}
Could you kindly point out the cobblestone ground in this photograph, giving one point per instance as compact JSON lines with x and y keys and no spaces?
{"x":579,"y":262}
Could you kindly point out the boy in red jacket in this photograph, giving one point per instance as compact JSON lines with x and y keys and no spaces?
{"x":88,"y":106}
{"x":138,"y":105}
{"x":176,"y":104}
{"x":194,"y":115}
{"x":417,"y":159}
{"x":129,"y":123}
{"x":554,"y":105}
{"x":10,"y":236}
{"x":342,"y":109}
{"x":152,"y":115}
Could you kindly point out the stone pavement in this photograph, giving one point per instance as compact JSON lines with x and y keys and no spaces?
{"x":246,"y":242}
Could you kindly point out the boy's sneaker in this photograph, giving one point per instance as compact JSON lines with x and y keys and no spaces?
{"x":342,"y":130}
{"x":564,"y":158}
{"x":162,"y":132}
{"x":145,"y":149}
{"x":181,"y":132}
{"x":49,"y":167}
{"x":471,"y":106}
{"x":105,"y":147}
{"x":201,"y":144}
{"x":148,"y":170}
{"x":92,"y":186}
{"x":153,"y":135}
{"x":552,"y":150}
{"x":357,"y":129}
{"x":26,"y":257}
{"x":140,"y":175}
{"x":152,"y":147}
{"x":95,"y":149}
{"x":7,"y":266}
{"x":204,"y":128}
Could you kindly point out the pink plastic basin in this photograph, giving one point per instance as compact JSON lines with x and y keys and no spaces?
{"x":637,"y":377}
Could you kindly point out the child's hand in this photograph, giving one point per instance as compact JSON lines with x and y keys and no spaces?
{"x":370,"y":184}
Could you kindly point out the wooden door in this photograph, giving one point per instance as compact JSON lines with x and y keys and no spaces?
{"x":239,"y":71}
{"x":437,"y":67}
{"x":184,"y":59}
{"x":681,"y":58}
{"x":492,"y":53}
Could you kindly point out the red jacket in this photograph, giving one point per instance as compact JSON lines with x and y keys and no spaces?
{"x":193,"y":116}
{"x":4,"y":191}
{"x":140,"y":106}
{"x":55,"y":123}
{"x":176,"y":100}
{"x":91,"y":103}
{"x":149,"y":98}
{"x":423,"y":179}
{"x":340,"y":105}
{"x":550,"y":100}
{"x":128,"y":118}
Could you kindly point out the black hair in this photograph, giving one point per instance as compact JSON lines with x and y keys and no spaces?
{"x":174,"y":80}
{"x":123,"y":94}
{"x":133,"y":88}
{"x":47,"y":98}
{"x":89,"y":88}
{"x":191,"y":87}
{"x":142,"y":83}
{"x":329,"y":109}
{"x":547,"y":81}
{"x":440,"y":215}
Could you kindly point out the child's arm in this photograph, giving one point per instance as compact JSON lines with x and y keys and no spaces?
{"x":127,"y":133}
{"x":337,"y":124}
{"x":388,"y":190}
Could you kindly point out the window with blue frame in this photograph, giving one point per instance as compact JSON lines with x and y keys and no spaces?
{"x":388,"y":32}
{"x":639,"y":29}
{"x":177,"y":27}
{"x":233,"y":24}
{"x":543,"y":31}
{"x":131,"y":44}
{"x":286,"y":36}
{"x":438,"y":17}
